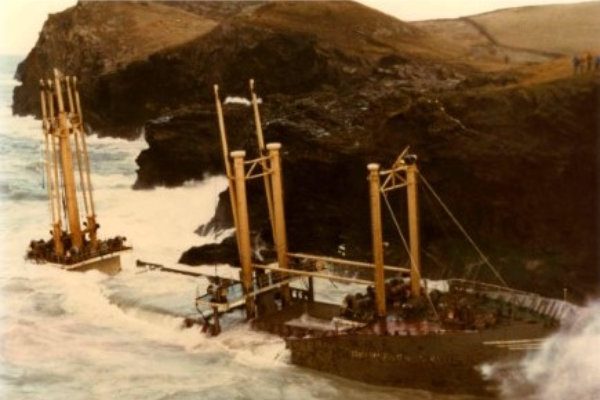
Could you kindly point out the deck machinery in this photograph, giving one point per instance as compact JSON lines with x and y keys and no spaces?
{"x":72,"y":246}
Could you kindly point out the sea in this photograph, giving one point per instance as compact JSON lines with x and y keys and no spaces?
{"x":89,"y":336}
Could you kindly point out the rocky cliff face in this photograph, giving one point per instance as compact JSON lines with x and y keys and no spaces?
{"x":517,"y":166}
{"x":138,"y":61}
{"x":513,"y":152}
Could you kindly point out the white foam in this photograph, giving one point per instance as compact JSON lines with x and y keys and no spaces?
{"x":566,"y":366}
{"x":240,"y":100}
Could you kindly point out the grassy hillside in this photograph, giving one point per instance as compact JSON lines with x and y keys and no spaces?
{"x":520,"y":36}
{"x":564,"y":28}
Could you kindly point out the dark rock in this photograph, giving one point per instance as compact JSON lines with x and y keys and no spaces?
{"x":224,"y":252}
{"x":515,"y":159}
{"x":131,"y":72}
{"x":506,"y":165}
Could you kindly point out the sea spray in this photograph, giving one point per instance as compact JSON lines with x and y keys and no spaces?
{"x":566,"y":366}
{"x":87,"y":336}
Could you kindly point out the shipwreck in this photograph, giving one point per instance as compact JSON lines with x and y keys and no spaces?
{"x":73,"y":246}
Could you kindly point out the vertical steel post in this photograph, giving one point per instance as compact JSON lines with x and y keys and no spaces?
{"x":57,"y":228}
{"x":67,"y":167}
{"x":91,"y":218}
{"x":49,"y":160}
{"x":413,"y":229}
{"x":78,"y":152}
{"x":228,"y":172}
{"x":243,"y":228}
{"x":45,"y":130}
{"x":279,"y":213}
{"x":216,"y":323}
{"x":261,"y":147}
{"x":377,"y":234}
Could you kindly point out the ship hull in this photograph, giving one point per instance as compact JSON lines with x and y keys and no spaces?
{"x":442,"y":362}
{"x":108,"y":264}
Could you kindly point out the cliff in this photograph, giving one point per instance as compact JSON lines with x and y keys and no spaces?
{"x":517,"y":165}
{"x":510,"y":144}
{"x":142,"y":60}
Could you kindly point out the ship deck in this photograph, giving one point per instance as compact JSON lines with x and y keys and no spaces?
{"x":278,"y":321}
{"x":312,"y":318}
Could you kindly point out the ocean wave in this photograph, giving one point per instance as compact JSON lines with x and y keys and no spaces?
{"x":11,"y":82}
{"x":566,"y":366}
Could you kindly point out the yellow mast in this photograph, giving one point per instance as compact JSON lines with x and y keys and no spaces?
{"x":261,"y":147}
{"x":72,"y":114}
{"x":413,"y":229}
{"x":228,"y":172}
{"x":54,"y":145}
{"x":86,"y":181}
{"x":278,"y":212}
{"x":243,"y":228}
{"x":67,"y":167}
{"x":50,"y":166}
{"x":377,"y":235}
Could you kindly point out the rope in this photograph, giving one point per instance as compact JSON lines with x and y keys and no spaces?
{"x":464,"y":232}
{"x":397,"y":224}
{"x":412,"y":261}
{"x":43,"y":169}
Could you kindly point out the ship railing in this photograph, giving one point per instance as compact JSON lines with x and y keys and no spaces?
{"x":465,"y":284}
{"x":238,"y":299}
{"x":312,"y":273}
{"x":556,"y":309}
{"x":319,"y":262}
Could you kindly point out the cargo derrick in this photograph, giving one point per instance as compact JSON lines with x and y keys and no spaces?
{"x":72,"y":246}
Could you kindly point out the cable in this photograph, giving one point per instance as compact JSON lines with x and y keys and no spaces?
{"x":397,"y":224}
{"x":464,"y":232}
{"x":412,"y":261}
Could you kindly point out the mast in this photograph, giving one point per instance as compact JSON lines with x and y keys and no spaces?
{"x":413,"y":229}
{"x":84,"y":164}
{"x":57,"y":231}
{"x":228,"y":172}
{"x":278,"y":212}
{"x":50,"y":167}
{"x":262,"y":150}
{"x":78,"y":151}
{"x":243,"y":228}
{"x":67,"y":167}
{"x":377,"y":237}
{"x":404,"y":174}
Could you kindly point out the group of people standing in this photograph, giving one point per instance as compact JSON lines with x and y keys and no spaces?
{"x":583,"y":63}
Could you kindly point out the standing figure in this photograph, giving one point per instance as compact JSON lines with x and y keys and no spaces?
{"x":576,"y":63}
{"x":588,"y":61}
{"x":597,"y":64}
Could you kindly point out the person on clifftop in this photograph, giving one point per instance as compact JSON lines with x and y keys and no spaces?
{"x":576,"y":64}
{"x":588,"y":61}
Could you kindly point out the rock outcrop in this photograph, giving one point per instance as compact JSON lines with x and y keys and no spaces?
{"x":517,"y":166}
{"x":513,"y":151}
{"x":142,"y":60}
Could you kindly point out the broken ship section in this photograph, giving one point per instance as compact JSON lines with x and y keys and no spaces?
{"x":72,"y":246}
{"x":397,"y":332}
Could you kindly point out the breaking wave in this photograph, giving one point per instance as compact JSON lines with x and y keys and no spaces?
{"x":88,"y":336}
{"x":566,"y":366}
